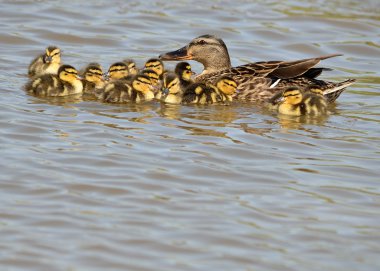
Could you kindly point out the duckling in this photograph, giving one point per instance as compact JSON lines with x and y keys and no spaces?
{"x":121,"y":91}
{"x":67,"y":82}
{"x":315,"y":101}
{"x":221,"y":92}
{"x":154,"y":78}
{"x":184,"y":72}
{"x":291,"y":102}
{"x":131,"y":64}
{"x":156,"y":65}
{"x":117,"y":70}
{"x":93,"y":79}
{"x":47,"y":63}
{"x":171,"y":91}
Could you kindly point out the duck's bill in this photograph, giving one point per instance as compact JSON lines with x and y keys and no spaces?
{"x":180,"y":54}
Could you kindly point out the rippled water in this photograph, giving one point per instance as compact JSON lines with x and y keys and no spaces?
{"x":91,"y":186}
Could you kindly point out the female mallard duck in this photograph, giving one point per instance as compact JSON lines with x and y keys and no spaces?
{"x":256,"y":81}
{"x":93,"y":80}
{"x":131,"y":64}
{"x":295,"y":102}
{"x":171,"y":91}
{"x":122,"y":91}
{"x":67,"y":82}
{"x":220,"y":93}
{"x":184,"y":73}
{"x":47,"y":63}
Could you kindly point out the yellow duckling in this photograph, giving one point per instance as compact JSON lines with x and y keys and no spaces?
{"x":156,"y":65}
{"x":154,"y":78}
{"x":184,"y":72}
{"x":93,"y":80}
{"x":200,"y":93}
{"x":117,"y":70}
{"x":171,"y":91}
{"x":294,"y":103}
{"x":131,"y":64}
{"x":121,"y":91}
{"x":67,"y":82}
{"x":47,"y":63}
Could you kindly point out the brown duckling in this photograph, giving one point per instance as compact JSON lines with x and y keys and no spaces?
{"x":184,"y":72}
{"x":122,"y":91}
{"x":117,"y":70}
{"x":156,"y":65}
{"x":171,"y":91}
{"x":315,"y":101}
{"x":154,"y":78}
{"x":67,"y":82}
{"x":131,"y":64}
{"x":47,"y":63}
{"x":93,"y":79}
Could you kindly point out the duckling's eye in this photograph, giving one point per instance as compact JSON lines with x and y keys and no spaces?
{"x":202,"y":42}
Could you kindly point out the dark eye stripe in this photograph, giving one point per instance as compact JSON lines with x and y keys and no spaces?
{"x":152,"y":65}
{"x":118,"y":69}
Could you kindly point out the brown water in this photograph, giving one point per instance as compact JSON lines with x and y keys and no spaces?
{"x":91,"y":186}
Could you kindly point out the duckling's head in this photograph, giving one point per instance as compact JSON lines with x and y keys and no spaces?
{"x":183,"y":70}
{"x":156,"y":65}
{"x":292,"y":95}
{"x":171,"y":84}
{"x":94,"y":73}
{"x":315,"y":89}
{"x":117,"y":70}
{"x":52,"y":55}
{"x":207,"y":49}
{"x":142,"y":83}
{"x":68,"y":73}
{"x":154,"y":77}
{"x":226,"y":85}
{"x":131,"y":64}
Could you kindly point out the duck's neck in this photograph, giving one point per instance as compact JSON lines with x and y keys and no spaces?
{"x":215,"y":63}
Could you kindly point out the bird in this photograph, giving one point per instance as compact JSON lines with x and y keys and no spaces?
{"x":123,"y":91}
{"x":295,"y":102}
{"x":171,"y":91}
{"x":66,"y":82}
{"x":93,"y":79}
{"x":184,"y":73}
{"x":131,"y":64}
{"x":47,"y":63}
{"x":155,"y":79}
{"x":117,"y":70}
{"x":258,"y":81}
{"x":157,"y":65}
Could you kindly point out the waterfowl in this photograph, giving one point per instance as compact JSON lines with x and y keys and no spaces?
{"x":171,"y":91}
{"x":295,"y":102}
{"x":184,"y":73}
{"x":155,"y":64}
{"x":47,"y":63}
{"x":67,"y":82}
{"x":154,"y":78}
{"x":117,"y":70}
{"x":122,"y":91}
{"x":315,"y":101}
{"x":256,"y":81}
{"x":131,"y":64}
{"x":93,"y":79}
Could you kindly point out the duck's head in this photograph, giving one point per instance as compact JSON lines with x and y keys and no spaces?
{"x":68,"y":73}
{"x":153,"y":76}
{"x":207,"y":49}
{"x":117,"y":70}
{"x":171,"y":84}
{"x":292,"y":95}
{"x":94,"y":73}
{"x":142,"y":83}
{"x":183,"y":70}
{"x":52,"y":55}
{"x":131,"y":64}
{"x":315,"y":89}
{"x":226,"y":85}
{"x":156,"y":65}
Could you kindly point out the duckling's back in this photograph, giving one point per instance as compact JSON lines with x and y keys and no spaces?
{"x":315,"y":104}
{"x":45,"y":85}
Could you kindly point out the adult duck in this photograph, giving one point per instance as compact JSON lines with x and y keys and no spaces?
{"x":257,"y":81}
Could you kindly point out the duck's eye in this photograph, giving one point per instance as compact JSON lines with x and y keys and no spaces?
{"x":202,"y":42}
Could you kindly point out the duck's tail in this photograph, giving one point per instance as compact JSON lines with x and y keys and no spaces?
{"x":333,"y":91}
